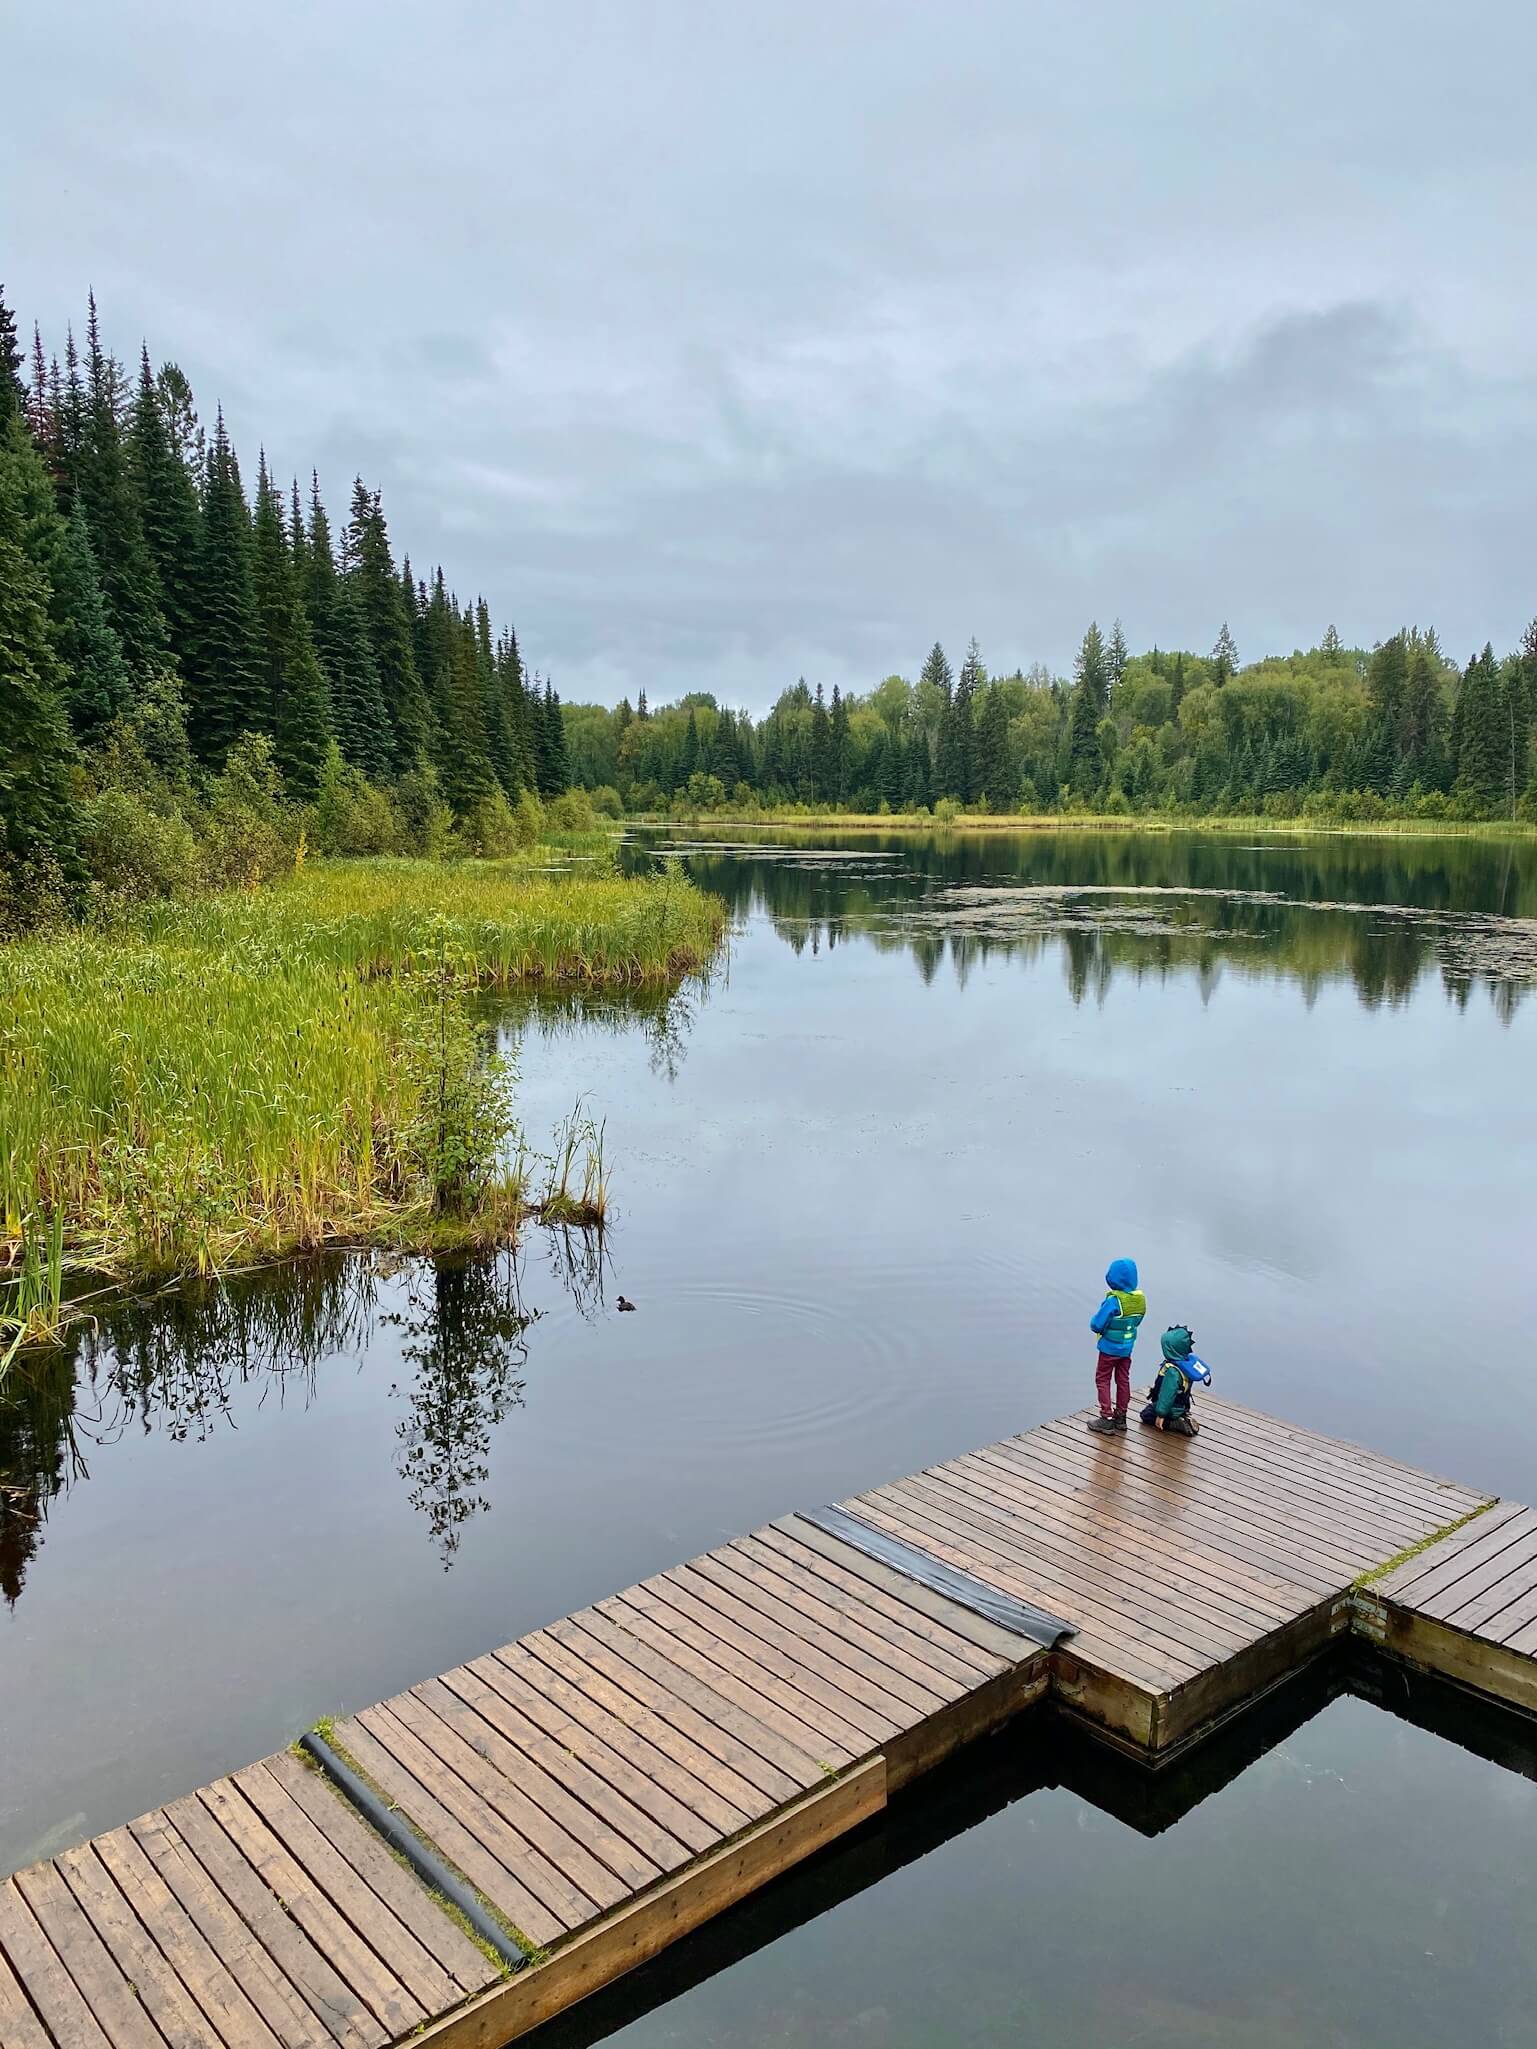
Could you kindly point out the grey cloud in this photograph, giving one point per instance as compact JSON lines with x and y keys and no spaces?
{"x":718,"y":345}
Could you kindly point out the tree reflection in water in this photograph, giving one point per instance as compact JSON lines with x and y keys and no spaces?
{"x":463,"y":1330}
{"x":185,"y":1362}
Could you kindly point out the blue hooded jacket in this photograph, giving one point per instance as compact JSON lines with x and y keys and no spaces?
{"x":1115,"y":1321}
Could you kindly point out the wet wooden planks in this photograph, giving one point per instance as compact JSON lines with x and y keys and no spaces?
{"x":257,"y":1913}
{"x":605,"y":1783}
{"x":1467,"y":1606}
{"x":569,"y":1772}
{"x":610,"y":1781}
{"x":1185,"y":1564}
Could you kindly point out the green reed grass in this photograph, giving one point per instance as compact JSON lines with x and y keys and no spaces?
{"x":221,"y":1080}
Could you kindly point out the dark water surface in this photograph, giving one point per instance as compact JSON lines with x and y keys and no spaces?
{"x":866,"y":1186}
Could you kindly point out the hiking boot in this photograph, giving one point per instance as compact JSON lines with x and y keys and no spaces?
{"x":1180,"y":1426}
{"x":1102,"y":1426}
{"x":1119,"y":1420}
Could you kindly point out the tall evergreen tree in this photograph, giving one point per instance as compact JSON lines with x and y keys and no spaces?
{"x":38,"y":838}
{"x":557,"y":765}
{"x":470,"y":778}
{"x":820,"y":764}
{"x":346,"y":654}
{"x":387,"y":623}
{"x":839,"y":750}
{"x":1224,"y":656}
{"x":1115,"y":659}
{"x":995,"y":778}
{"x":1486,"y":737}
{"x":495,"y":712}
{"x":1387,"y":681}
{"x":128,"y":579}
{"x":298,"y":708}
{"x":227,"y":692}
{"x":168,"y":502}
{"x":96,"y":684}
{"x":963,"y":743}
{"x":13,"y":389}
{"x":514,"y":692}
{"x":1092,"y":669}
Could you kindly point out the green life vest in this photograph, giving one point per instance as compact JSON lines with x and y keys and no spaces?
{"x":1122,"y":1327}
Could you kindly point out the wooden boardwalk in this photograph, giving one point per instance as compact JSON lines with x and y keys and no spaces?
{"x":605,"y":1784}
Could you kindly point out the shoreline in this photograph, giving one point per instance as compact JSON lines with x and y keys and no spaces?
{"x":1149,"y":823}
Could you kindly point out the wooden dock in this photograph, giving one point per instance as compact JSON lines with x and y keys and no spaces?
{"x":604,"y":1785}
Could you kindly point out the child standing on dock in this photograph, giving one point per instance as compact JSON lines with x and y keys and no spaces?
{"x":1115,"y":1324}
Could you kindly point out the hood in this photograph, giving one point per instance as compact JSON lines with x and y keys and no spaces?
{"x":1121,"y":1276}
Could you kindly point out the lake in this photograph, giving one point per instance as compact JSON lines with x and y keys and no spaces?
{"x":866,"y":1183}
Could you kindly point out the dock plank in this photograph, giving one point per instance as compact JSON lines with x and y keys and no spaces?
{"x":609,"y":1781}
{"x":232,"y":2019}
{"x":169,"y":2003}
{"x":51,"y":1987}
{"x":20,"y":2027}
{"x":417,"y":1912}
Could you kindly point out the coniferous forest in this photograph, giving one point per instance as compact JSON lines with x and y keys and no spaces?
{"x":188,"y":654}
{"x":1335,"y":732}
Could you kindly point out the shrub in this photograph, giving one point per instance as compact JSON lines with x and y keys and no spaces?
{"x":605,"y":801}
{"x":528,"y":820}
{"x":571,"y":811}
{"x":135,"y":853}
{"x":491,"y":829}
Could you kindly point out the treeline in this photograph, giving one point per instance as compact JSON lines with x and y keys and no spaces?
{"x":1336,"y":730}
{"x":188,"y":667}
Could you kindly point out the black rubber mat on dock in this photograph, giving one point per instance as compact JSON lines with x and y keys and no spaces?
{"x":1018,"y":1617}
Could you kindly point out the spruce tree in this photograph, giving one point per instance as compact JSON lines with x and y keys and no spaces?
{"x":174,"y":396}
{"x":1092,"y":670}
{"x":1224,"y":656}
{"x":227,"y":693}
{"x":820,"y":764}
{"x":1420,"y":723}
{"x":1485,"y":736}
{"x":496,"y":713}
{"x":995,"y":778}
{"x":38,"y":843}
{"x":128,"y":578}
{"x":298,"y":707}
{"x":963,"y":725}
{"x":358,"y":716}
{"x":13,"y":390}
{"x":557,"y":764}
{"x":1387,"y":681}
{"x":1115,"y":660}
{"x":468,"y":775}
{"x":839,"y":752}
{"x":168,"y":504}
{"x":96,"y":684}
{"x":514,"y":694}
{"x":387,"y":624}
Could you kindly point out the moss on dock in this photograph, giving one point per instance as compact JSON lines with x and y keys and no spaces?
{"x":1376,"y":1572}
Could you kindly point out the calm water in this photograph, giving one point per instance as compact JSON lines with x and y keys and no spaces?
{"x":867,"y":1183}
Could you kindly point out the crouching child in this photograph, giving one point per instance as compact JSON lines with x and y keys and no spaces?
{"x":1180,"y":1372}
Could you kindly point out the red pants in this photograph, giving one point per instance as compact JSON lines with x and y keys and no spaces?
{"x":1104,"y":1367}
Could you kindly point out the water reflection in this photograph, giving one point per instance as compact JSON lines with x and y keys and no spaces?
{"x":464,"y":1332}
{"x":1382,"y":914}
{"x":1042,"y":1752}
{"x":183,"y":1364}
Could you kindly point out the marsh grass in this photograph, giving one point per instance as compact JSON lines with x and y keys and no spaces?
{"x":207,"y":1084}
{"x":32,"y":1305}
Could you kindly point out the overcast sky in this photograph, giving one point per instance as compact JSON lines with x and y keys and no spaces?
{"x":716,"y":342}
